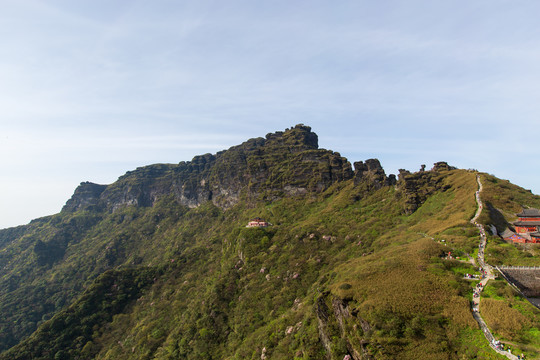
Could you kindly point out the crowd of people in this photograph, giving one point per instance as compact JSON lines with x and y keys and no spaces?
{"x":478,"y":289}
{"x":499,"y":346}
{"x":482,"y":244}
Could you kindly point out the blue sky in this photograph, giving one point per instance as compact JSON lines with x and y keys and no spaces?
{"x":92,"y":89}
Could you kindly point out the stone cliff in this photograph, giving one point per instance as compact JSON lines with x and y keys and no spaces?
{"x":281,"y":164}
{"x":414,"y":188}
{"x":284,"y":163}
{"x":372,"y":174}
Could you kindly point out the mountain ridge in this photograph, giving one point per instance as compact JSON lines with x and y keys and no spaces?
{"x":160,"y":265}
{"x":253,"y":164}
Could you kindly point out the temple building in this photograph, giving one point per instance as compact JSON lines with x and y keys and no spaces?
{"x":529,"y":221}
{"x":509,"y":235}
{"x":527,"y":227}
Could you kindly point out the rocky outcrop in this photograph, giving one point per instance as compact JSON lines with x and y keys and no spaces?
{"x":141,"y":187}
{"x":323,"y":317}
{"x":372,"y":174}
{"x":442,"y":166}
{"x":86,"y":196}
{"x":414,"y":188}
{"x":296,"y":139}
{"x":282,"y":164}
{"x":332,"y":325}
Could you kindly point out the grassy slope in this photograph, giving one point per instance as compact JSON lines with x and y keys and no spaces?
{"x":506,"y":200}
{"x":513,"y":319}
{"x":230,"y":292}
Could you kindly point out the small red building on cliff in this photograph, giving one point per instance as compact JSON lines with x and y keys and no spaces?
{"x":257,"y":222}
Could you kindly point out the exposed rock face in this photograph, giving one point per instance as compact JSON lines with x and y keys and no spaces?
{"x":372,"y":174}
{"x":442,"y":166}
{"x":285,"y":163}
{"x":415,"y":188}
{"x":296,"y":139}
{"x":330,"y":320}
{"x":86,"y":196}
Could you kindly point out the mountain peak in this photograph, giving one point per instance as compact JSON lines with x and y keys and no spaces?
{"x":300,"y":137}
{"x":160,"y":264}
{"x":283,"y":163}
{"x":86,"y":195}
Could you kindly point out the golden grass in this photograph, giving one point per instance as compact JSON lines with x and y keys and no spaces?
{"x":503,"y":319}
{"x":402,"y":280}
{"x":507,"y":197}
{"x":449,"y":209}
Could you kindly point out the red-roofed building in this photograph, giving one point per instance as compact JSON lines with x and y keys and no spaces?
{"x":512,"y":236}
{"x":528,"y":226}
{"x":257,"y":222}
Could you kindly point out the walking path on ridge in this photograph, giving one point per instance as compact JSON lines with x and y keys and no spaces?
{"x":487,"y":271}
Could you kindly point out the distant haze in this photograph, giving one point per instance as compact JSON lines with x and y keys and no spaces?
{"x":90,"y":90}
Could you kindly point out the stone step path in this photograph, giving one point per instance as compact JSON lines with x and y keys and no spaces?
{"x":488,"y":275}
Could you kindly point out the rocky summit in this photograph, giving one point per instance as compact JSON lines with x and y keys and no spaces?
{"x":282,"y":164}
{"x":272,"y":249}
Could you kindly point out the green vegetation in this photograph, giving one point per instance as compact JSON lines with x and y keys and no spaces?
{"x":511,"y":317}
{"x":69,"y":333}
{"x":347,"y":268}
{"x":501,"y":252}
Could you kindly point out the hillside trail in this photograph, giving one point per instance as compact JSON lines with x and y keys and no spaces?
{"x":487,"y":274}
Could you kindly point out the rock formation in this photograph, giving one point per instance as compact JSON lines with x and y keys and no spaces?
{"x":414,"y":188}
{"x":281,"y":164}
{"x":371,"y":173}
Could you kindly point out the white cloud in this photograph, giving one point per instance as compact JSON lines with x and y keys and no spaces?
{"x":86,"y":87}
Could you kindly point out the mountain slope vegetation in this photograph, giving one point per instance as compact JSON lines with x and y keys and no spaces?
{"x":160,"y":264}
